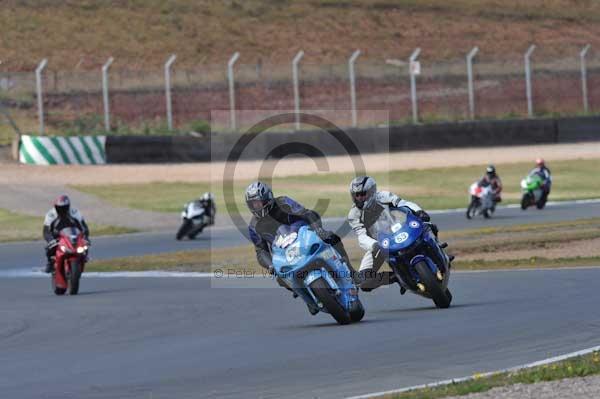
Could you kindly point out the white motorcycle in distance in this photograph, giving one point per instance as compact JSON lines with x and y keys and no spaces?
{"x":481,"y":200}
{"x":194,"y":220}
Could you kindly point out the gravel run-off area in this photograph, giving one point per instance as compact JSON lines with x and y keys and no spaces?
{"x":572,"y":388}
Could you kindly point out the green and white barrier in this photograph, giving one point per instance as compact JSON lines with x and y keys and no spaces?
{"x":46,"y":150}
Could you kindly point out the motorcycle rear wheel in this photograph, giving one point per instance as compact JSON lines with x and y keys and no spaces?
{"x":541,"y":203}
{"x":325,"y":295}
{"x":432,"y":285}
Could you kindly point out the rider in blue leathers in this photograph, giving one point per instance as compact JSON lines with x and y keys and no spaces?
{"x":269,"y":213}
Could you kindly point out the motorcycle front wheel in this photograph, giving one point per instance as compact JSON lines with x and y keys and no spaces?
{"x":74,"y":277}
{"x":472,"y":209}
{"x":183,"y":230}
{"x":326,"y":297}
{"x":525,"y":201}
{"x":432,"y":285}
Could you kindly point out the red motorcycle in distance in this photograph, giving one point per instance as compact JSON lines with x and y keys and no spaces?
{"x":69,"y":262}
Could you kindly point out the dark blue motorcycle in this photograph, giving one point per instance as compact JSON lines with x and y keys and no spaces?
{"x":316,"y":272}
{"x":414,"y":254}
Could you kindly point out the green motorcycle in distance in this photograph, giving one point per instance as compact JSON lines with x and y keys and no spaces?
{"x":533,"y":193}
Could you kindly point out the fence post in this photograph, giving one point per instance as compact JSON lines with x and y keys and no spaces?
{"x":351,"y":62}
{"x":230,"y":64}
{"x":295,"y":62}
{"x":584,"y":90}
{"x":413,"y":84}
{"x":470,"y":56}
{"x":38,"y":85}
{"x":168,"y":64}
{"x":105,"y":93}
{"x":528,"y":80}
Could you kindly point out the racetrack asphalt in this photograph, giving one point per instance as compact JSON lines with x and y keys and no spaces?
{"x":30,"y":255}
{"x":180,"y":338}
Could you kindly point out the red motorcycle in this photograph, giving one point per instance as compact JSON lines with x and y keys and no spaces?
{"x":69,"y":262}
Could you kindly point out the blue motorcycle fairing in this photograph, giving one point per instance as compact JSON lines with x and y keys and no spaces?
{"x":404,"y":235}
{"x":300,"y":257}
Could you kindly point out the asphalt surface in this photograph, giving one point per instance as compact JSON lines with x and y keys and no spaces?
{"x":30,"y":255}
{"x":180,"y":338}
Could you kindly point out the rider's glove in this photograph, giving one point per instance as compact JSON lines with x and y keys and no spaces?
{"x":424,"y":216}
{"x":323,"y":234}
{"x":376,"y":250}
{"x":51,"y":244}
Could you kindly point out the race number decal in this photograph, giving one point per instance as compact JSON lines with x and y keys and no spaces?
{"x":401,"y":237}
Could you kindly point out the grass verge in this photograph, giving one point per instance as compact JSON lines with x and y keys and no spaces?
{"x":580,"y":366}
{"x":484,"y":249}
{"x":24,"y":227}
{"x":436,"y":188}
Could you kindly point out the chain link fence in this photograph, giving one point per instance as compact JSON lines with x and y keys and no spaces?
{"x":73,"y":100}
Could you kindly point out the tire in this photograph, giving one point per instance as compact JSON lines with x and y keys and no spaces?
{"x":525,"y":201}
{"x":194,"y":233}
{"x":472,"y":208}
{"x":183,"y":230}
{"x":541,"y":203}
{"x":326,"y":297}
{"x":449,"y":294}
{"x":486,"y":214}
{"x":433,"y":286}
{"x":357,"y":312}
{"x":74,"y":277}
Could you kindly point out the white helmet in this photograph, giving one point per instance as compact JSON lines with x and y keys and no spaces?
{"x":363,"y":190}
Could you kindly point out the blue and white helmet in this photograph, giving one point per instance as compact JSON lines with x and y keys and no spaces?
{"x":259,"y":199}
{"x":363,"y":191}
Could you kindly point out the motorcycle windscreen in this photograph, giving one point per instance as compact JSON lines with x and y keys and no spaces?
{"x":396,"y":229}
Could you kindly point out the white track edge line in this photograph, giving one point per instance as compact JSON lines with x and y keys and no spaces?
{"x":20,"y":273}
{"x":482,"y":375}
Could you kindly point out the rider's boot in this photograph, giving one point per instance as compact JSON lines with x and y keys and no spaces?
{"x":371,"y":280}
{"x":312,"y":309}
{"x":284,"y":285}
{"x":339,"y":246}
{"x":49,"y":266}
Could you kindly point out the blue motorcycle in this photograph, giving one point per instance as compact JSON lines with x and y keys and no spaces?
{"x":414,"y":254}
{"x":316,"y":272}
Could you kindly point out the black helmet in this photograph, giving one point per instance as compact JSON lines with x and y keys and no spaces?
{"x":259,"y":199}
{"x":363,"y":190}
{"x":62,"y":205}
{"x":490,"y":170}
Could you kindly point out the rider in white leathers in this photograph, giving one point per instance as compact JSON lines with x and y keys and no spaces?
{"x":362,"y":215}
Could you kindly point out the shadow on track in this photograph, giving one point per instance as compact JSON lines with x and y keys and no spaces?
{"x":331,"y":324}
{"x":426,"y":308}
{"x":101,"y":292}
